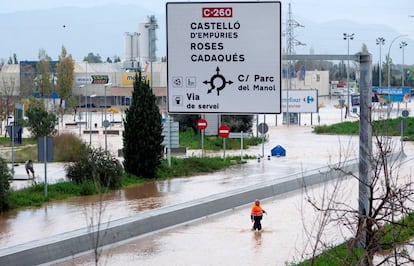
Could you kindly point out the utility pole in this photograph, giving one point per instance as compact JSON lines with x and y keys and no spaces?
{"x":151,"y":25}
{"x":291,"y":42}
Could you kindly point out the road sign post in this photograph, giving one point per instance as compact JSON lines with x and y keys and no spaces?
{"x":202,"y":124}
{"x":224,"y":132}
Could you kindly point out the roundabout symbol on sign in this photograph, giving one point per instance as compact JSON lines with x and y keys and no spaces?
{"x":217,"y":81}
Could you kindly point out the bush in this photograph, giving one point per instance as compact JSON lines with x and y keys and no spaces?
{"x":98,"y":166}
{"x":63,"y":154}
{"x":4,"y":186}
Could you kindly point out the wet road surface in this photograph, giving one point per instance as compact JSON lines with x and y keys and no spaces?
{"x":222,"y":239}
{"x":304,"y":151}
{"x":226,"y":238}
{"x":20,"y":226}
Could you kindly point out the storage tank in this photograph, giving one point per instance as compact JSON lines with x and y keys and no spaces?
{"x":128,"y":46}
{"x":135,"y":45}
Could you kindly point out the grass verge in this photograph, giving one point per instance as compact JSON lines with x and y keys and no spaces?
{"x":34,"y":195}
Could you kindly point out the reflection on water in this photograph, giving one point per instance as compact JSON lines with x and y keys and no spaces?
{"x":257,"y":237}
{"x":53,"y":218}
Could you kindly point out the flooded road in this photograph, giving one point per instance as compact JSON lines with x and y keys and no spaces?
{"x":63,"y":216}
{"x":226,"y":238}
{"x":290,"y":227}
{"x":53,"y":218}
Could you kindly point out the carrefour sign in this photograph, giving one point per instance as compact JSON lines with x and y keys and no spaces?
{"x":300,"y":101}
{"x":224,"y":57}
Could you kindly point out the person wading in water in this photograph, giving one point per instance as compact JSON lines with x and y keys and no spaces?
{"x":256,"y":215}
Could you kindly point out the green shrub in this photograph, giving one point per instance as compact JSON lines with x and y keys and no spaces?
{"x":4,"y":186}
{"x":98,"y":166}
{"x":61,"y":151}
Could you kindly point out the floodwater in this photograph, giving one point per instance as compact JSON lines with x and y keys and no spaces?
{"x":63,"y":216}
{"x":21,"y":226}
{"x":223,"y":239}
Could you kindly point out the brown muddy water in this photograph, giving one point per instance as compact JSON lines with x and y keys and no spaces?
{"x":25,"y":225}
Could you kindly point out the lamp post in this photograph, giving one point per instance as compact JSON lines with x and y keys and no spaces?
{"x":348,"y":37}
{"x":106,"y":122}
{"x":90,"y":120}
{"x":79,"y":104}
{"x":389,"y":70}
{"x":151,"y":25}
{"x":402,"y":45}
{"x":380,"y":42}
{"x":86,"y":107}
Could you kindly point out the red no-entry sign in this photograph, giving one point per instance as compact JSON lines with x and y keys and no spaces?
{"x":224,"y":131}
{"x":202,"y":123}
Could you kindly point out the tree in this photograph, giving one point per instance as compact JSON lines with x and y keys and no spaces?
{"x":387,"y":67}
{"x":364,"y":48}
{"x":91,"y":58}
{"x":5,"y":176}
{"x":13,"y":61}
{"x":238,"y":123}
{"x":96,"y":165}
{"x":142,"y":137}
{"x":64,"y":72}
{"x":389,"y":201}
{"x":43,"y":80}
{"x":6,"y":91}
{"x":40,"y":122}
{"x":187,"y":121}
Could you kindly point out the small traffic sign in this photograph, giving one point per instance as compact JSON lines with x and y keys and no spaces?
{"x":262,"y":128}
{"x":106,"y":123}
{"x":224,"y":131}
{"x":405,"y":113}
{"x":202,"y":123}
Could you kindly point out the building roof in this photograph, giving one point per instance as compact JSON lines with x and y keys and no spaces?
{"x":10,"y":69}
{"x":85,"y":67}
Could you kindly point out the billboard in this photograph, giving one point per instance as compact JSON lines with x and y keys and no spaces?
{"x":129,"y":78}
{"x":300,"y":101}
{"x":392,"y":94}
{"x":92,"y":79}
{"x":224,"y":57}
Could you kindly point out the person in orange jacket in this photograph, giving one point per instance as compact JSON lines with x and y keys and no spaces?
{"x":257,"y":215}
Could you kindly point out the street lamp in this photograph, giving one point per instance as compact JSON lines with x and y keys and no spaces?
{"x":389,"y":49}
{"x":106,"y":122}
{"x":90,"y":119}
{"x":389,"y":70}
{"x":348,"y":37}
{"x":402,"y":45}
{"x":380,"y":42}
{"x":151,"y":25}
{"x":79,"y":104}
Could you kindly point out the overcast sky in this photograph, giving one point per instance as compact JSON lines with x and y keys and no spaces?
{"x":392,"y":14}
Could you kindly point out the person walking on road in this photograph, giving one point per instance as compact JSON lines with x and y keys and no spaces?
{"x":257,"y":215}
{"x":29,"y":169}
